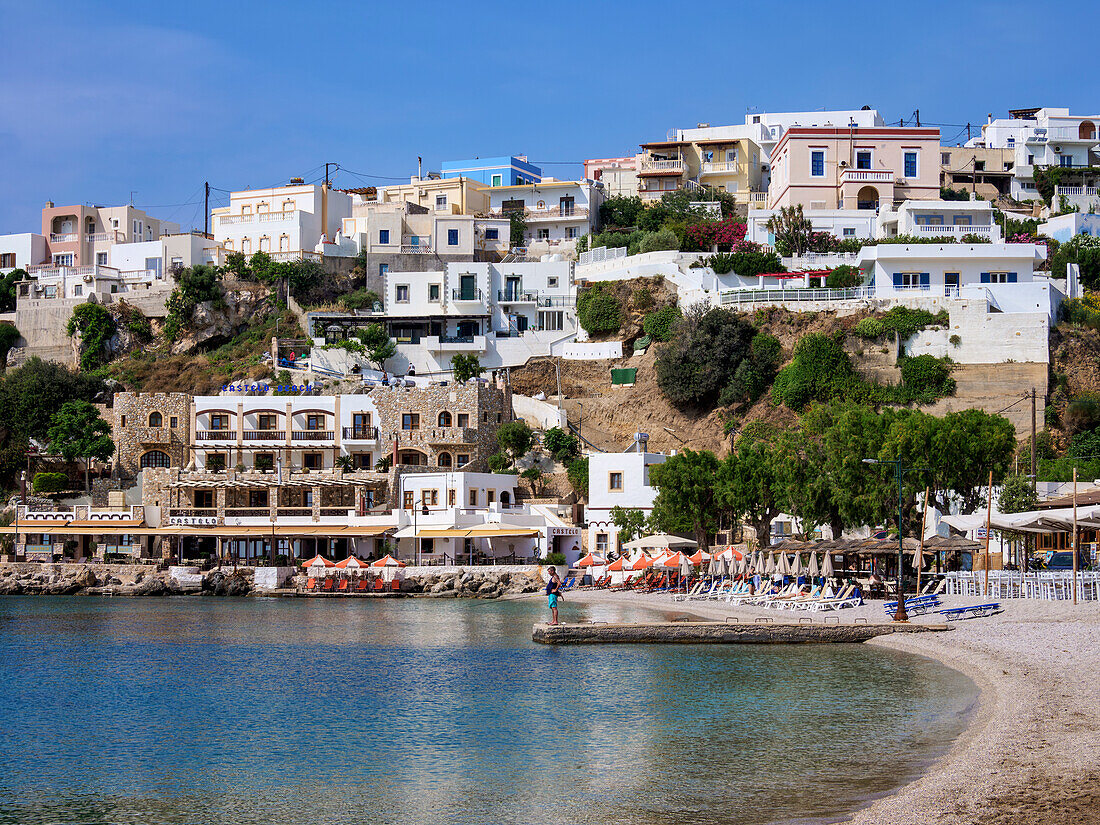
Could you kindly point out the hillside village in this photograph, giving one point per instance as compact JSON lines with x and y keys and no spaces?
{"x":490,"y":364}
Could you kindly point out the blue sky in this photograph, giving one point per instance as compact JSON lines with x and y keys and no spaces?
{"x":98,"y":100}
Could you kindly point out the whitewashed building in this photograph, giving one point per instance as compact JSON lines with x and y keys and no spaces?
{"x":286,"y":222}
{"x":21,"y":250}
{"x":557,"y":212}
{"x":617,"y":480}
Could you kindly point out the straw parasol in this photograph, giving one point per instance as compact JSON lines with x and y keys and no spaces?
{"x":659,"y":541}
{"x":781,"y":566}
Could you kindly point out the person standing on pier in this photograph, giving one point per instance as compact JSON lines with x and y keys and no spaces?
{"x":553,"y":593}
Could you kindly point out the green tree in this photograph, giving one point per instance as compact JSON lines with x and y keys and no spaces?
{"x":968,"y":444}
{"x":819,"y":370}
{"x":577,"y":472}
{"x":703,"y":357}
{"x":515,"y":439}
{"x":517,"y":227}
{"x":78,"y":432}
{"x":749,"y":481}
{"x":8,"y":336}
{"x":660,"y":240}
{"x":534,"y":476}
{"x":621,"y":211}
{"x":464,"y":367}
{"x":792,"y":230}
{"x":95,"y":326}
{"x":660,"y":323}
{"x":7,"y":289}
{"x":194,"y":285}
{"x":379,"y":348}
{"x":687,"y":496}
{"x":598,"y":309}
{"x":562,"y":445}
{"x":631,"y":523}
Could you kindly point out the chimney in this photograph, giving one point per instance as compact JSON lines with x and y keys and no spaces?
{"x":989,"y":118}
{"x":49,"y":204}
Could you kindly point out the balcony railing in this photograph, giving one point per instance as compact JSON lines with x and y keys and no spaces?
{"x":247,"y":512}
{"x":452,"y":435}
{"x":312,"y":435}
{"x":416,"y":248}
{"x":215,"y":435}
{"x":64,"y":237}
{"x":866,"y":176}
{"x":256,"y":217}
{"x":361,"y":433}
{"x":299,"y":255}
{"x":265,"y":435}
{"x":192,"y":512}
{"x":462,"y":294}
{"x":557,"y":213}
{"x":516,"y":296}
{"x":336,"y":511}
{"x":114,"y":236}
{"x":1076,"y":191}
{"x":720,"y":167}
{"x":984,"y":230}
{"x":661,"y":166}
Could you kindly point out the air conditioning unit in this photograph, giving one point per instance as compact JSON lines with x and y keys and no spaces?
{"x":844,"y":164}
{"x":1057,"y":148}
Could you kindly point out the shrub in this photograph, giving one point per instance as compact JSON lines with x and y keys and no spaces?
{"x":562,"y":445}
{"x":926,"y":377}
{"x":498,"y":462}
{"x":819,"y":370}
{"x":702,"y":359}
{"x":658,"y":325}
{"x":464,"y":367}
{"x":642,"y":298}
{"x":557,"y":559}
{"x":844,"y":277}
{"x":906,"y":322}
{"x":8,"y":336}
{"x":869,"y":328}
{"x":50,"y":482}
{"x":577,"y":472}
{"x":1082,"y":414}
{"x":971,"y":237}
{"x":955,"y":340}
{"x":360,"y":299}
{"x":751,"y":264}
{"x":656,"y":241}
{"x":598,"y":310}
{"x":720,"y":262}
{"x":95,"y":326}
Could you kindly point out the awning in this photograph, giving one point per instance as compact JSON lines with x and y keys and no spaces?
{"x":479,"y":531}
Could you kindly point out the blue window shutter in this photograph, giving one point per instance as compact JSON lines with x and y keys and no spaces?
{"x":924,"y":280}
{"x":897,"y":279}
{"x":1012,"y":277}
{"x":985,"y":277}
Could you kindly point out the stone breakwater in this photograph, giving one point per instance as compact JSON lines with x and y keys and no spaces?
{"x":126,"y":580}
{"x":719,"y":633}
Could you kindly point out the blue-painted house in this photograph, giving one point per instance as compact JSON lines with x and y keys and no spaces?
{"x":508,"y":171}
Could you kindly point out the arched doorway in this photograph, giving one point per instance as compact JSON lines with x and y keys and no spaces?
{"x":867,"y":198}
{"x":1087,"y":130}
{"x":412,"y":458}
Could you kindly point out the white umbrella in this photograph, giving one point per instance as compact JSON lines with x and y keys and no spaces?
{"x":723,"y":566}
{"x":661,"y":541}
{"x":685,"y":567}
{"x":712,"y":565}
{"x":827,"y":565}
{"x":781,"y":567}
{"x":769,"y":568}
{"x":796,"y":568}
{"x":743,"y":567}
{"x":814,"y":570}
{"x":758,"y":562}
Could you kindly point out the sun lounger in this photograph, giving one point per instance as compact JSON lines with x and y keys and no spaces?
{"x":799,"y":600}
{"x":917,"y":605}
{"x":327,"y":585}
{"x":362,"y":585}
{"x":395,"y":585}
{"x":311,"y":584}
{"x":378,"y":584}
{"x":974,"y":611}
{"x":849,"y":596}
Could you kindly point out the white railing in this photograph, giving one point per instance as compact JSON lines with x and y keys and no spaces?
{"x":866,"y":176}
{"x":1067,"y":133}
{"x":1076,"y":191}
{"x":985,"y":230}
{"x":416,"y":248}
{"x":556,"y":213}
{"x":276,"y":216}
{"x":141,"y":275}
{"x":661,"y":166}
{"x":300,"y":255}
{"x":601,"y":254}
{"x":737,"y":297}
{"x":692,"y":185}
{"x":756,"y":198}
{"x":64,"y":237}
{"x":256,"y":217}
{"x":1010,"y":584}
{"x":720,"y":167}
{"x":100,"y":237}
{"x":818,"y":259}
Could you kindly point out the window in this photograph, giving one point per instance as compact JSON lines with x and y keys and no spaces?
{"x":215,"y":461}
{"x":155,"y":458}
{"x":452,"y":237}
{"x":101,"y":258}
{"x":1065,"y":161}
{"x":491,"y":234}
{"x":361,"y":461}
{"x":464,"y":419}
{"x":78,"y":290}
{"x":910,"y":280}
{"x":383,"y":236}
{"x":410,"y":421}
{"x":122,"y":421}
{"x":462,"y":459}
{"x":962,"y":220}
{"x":444,"y":460}
{"x":407,"y":499}
{"x":473,"y":498}
{"x":601,"y":542}
{"x":571,"y":232}
{"x":490,"y":496}
{"x":431,"y":498}
{"x":1030,"y":160}
{"x":264,"y":461}
{"x":450,"y":498}
{"x":615,"y":481}
{"x":267,"y":421}
{"x":219,"y":422}
{"x":445,"y":419}
{"x":498,"y":180}
{"x":543,"y":234}
{"x":1010,"y":142}
{"x":7,"y":260}
{"x":552,"y":321}
{"x":849,"y":232}
{"x":552,"y":283}
{"x":246,"y":246}
{"x":498,"y":418}
{"x":998,"y":277}
{"x":315,"y":421}
{"x":910,"y":164}
{"x":863,"y":159}
{"x":313,"y":461}
{"x":433,"y":293}
{"x":204,"y":498}
{"x":979,"y":166}
{"x":63,"y":259}
{"x":173,"y":422}
{"x":156,"y":419}
{"x":945,"y":158}
{"x":708,"y":157}
{"x":440,"y":201}
{"x":257,"y":498}
{"x":817,"y":163}
{"x":401,"y":293}
{"x":383,"y":269}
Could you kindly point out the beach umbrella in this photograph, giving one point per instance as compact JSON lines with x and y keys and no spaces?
{"x":685,"y":567}
{"x":620,"y":564}
{"x":743,"y":566}
{"x":700,"y":557}
{"x":814,"y":571}
{"x":827,"y":565}
{"x":591,"y":560}
{"x":388,"y":561}
{"x":669,"y":560}
{"x":351,"y":563}
{"x":796,"y":568}
{"x":319,"y":562}
{"x":769,"y":568}
{"x":643,"y":562}
{"x":781,"y":567}
{"x":660,"y":541}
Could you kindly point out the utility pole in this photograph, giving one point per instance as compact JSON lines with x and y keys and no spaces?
{"x":557,"y":376}
{"x":1033,"y":439}
{"x":968,"y":133}
{"x":206,"y":211}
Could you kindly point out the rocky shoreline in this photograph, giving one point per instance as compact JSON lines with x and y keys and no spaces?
{"x":92,"y":580}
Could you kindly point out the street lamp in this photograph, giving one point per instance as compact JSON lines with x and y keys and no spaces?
{"x":899,"y":471}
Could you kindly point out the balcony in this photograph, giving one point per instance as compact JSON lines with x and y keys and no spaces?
{"x":300,"y":255}
{"x":313,"y":435}
{"x":114,"y":236}
{"x":725,"y":167}
{"x":661,"y":167}
{"x":216,"y":435}
{"x":516,"y":296}
{"x":256,"y":217}
{"x":455,"y":343}
{"x":866,"y":176}
{"x":957,"y":230}
{"x":361,"y":433}
{"x":557,"y":213}
{"x":1076,"y":192}
{"x":265,"y":435}
{"x":64,"y":237}
{"x":416,"y":245}
{"x":464,"y":295}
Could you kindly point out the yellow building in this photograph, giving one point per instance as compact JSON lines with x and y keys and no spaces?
{"x":729,"y":163}
{"x":453,"y":196}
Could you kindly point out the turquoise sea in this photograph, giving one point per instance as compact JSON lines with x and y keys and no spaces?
{"x":225,"y":711}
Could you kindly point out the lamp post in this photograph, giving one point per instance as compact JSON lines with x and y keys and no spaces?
{"x":899,"y":472}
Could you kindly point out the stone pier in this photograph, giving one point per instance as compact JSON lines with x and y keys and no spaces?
{"x":722,"y":632}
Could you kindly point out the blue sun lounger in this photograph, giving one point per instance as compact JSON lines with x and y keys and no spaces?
{"x":916,"y":606}
{"x":974,"y":611}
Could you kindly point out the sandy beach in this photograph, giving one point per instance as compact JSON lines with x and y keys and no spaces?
{"x":1032,"y":751}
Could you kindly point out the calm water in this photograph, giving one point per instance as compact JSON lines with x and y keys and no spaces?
{"x":255,"y":711}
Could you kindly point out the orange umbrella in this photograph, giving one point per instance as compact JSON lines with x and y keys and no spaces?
{"x":388,"y":561}
{"x":591,"y":561}
{"x":672,"y":561}
{"x":643,"y":563}
{"x":618,"y":565}
{"x":351,"y":563}
{"x":699,"y":557}
{"x":318,"y":560}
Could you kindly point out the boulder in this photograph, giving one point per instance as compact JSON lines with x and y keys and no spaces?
{"x":439,"y":587}
{"x":149,"y":587}
{"x":86,"y":578}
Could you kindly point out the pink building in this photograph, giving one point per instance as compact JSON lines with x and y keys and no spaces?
{"x":854,"y":167}
{"x":83,"y":235}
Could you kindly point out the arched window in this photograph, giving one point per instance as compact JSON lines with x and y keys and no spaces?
{"x":444,"y":460}
{"x":156,"y":420}
{"x":444,"y":419}
{"x":155,"y":458}
{"x":505,"y":497}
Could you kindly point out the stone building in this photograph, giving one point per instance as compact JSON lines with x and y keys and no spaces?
{"x":150,"y":430}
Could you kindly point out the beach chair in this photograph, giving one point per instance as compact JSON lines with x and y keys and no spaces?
{"x":974,"y":611}
{"x":915,"y":606}
{"x":395,"y":585}
{"x":849,"y":596}
{"x":311,"y":584}
{"x":327,"y":585}
{"x":798,"y":600}
{"x":363,"y":584}
{"x":378,"y":585}
{"x":343,"y":585}
{"x":691,"y":594}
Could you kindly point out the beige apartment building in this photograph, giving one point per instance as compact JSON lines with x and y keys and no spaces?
{"x":854,"y":167}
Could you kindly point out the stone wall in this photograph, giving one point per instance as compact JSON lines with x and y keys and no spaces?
{"x":133,"y":437}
